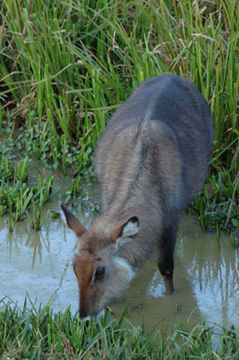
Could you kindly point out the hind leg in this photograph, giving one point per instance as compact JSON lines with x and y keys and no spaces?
{"x":165,"y":260}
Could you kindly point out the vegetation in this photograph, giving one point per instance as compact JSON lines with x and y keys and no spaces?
{"x":42,"y":334}
{"x":66,"y":65}
{"x":17,"y":197}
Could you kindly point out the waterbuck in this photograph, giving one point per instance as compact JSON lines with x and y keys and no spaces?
{"x":150,"y":162}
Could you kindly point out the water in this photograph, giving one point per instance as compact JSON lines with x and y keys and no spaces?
{"x":38,"y":264}
{"x":206,"y":280}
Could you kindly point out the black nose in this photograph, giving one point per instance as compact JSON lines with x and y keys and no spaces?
{"x":85,"y":316}
{"x":83,"y":313}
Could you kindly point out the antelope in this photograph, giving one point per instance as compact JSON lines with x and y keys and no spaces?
{"x":150,"y":162}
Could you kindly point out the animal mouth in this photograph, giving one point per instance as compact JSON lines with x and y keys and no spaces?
{"x":94,"y":317}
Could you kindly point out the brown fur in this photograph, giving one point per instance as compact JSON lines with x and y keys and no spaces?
{"x":150,"y":162}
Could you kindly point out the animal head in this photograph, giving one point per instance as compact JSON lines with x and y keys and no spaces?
{"x":101,"y":273}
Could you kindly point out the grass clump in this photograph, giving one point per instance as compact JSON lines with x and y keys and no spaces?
{"x":65,"y":66}
{"x":17,"y":197}
{"x":42,"y":334}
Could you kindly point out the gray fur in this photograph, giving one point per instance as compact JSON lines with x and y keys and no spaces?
{"x":151,"y":161}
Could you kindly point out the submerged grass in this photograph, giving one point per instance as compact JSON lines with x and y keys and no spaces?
{"x":66,"y":65}
{"x":42,"y":334}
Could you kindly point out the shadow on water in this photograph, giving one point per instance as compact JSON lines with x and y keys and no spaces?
{"x":206,"y":276}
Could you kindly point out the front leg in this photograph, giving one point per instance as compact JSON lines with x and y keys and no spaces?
{"x":165,"y":259}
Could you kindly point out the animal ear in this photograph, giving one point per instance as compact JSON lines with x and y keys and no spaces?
{"x":126,"y":232}
{"x":73,"y":223}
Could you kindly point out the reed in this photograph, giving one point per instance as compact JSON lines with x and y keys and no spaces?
{"x":66,"y":66}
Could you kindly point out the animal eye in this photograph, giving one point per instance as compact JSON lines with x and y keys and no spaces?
{"x":99,"y":273}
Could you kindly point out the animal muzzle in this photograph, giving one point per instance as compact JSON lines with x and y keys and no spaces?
{"x":86,"y":317}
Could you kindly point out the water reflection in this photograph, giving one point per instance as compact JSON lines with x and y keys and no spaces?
{"x":214,"y":273}
{"x":206,"y":282}
{"x":36,"y":263}
{"x":206,"y":277}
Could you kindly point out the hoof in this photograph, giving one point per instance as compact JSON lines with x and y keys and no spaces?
{"x":168,"y":285}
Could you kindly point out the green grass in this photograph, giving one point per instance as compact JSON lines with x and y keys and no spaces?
{"x":66,"y":65}
{"x":19,"y":199}
{"x":42,"y":334}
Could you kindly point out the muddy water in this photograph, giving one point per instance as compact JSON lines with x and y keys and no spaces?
{"x":206,"y":282}
{"x":206,"y":276}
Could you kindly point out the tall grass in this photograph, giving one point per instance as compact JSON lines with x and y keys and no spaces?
{"x":66,"y":65}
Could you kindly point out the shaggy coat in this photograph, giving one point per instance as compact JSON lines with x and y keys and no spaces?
{"x":151,"y":161}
